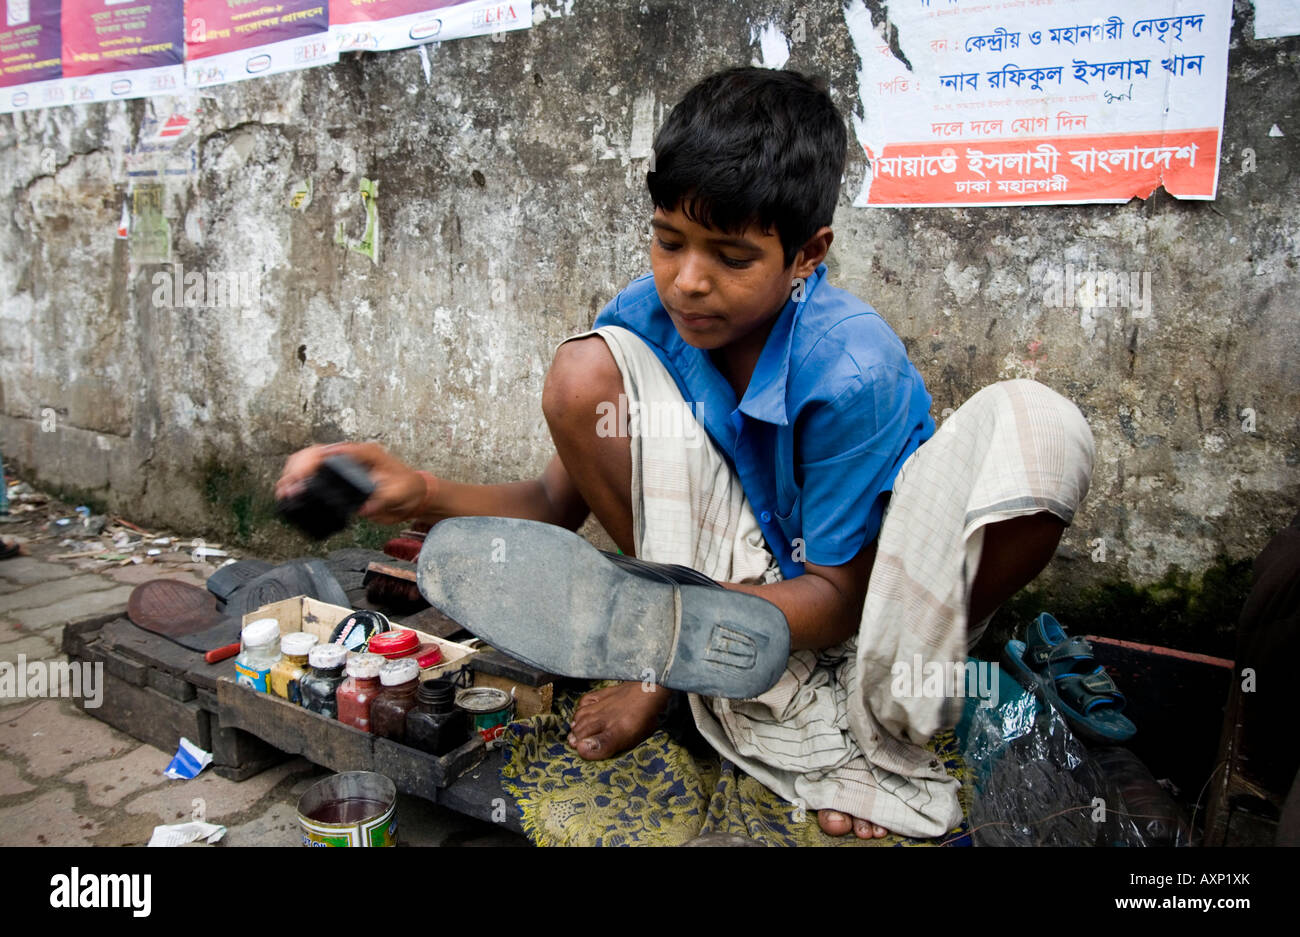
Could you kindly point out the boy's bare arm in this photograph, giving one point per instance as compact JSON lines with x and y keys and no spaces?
{"x":551,"y":498}
{"x":823,"y":606}
{"x":403,"y":494}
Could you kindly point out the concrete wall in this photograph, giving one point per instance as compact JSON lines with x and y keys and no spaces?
{"x":512,"y":206}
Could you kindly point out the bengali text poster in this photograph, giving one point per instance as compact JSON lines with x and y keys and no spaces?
{"x":122,"y":48}
{"x":397,"y":24}
{"x":230,"y":40}
{"x":30,"y":56}
{"x":1019,"y":102}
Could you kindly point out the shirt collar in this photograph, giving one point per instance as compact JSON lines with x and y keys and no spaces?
{"x":765,"y":397}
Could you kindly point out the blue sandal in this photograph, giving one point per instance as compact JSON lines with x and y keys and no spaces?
{"x":1071,"y":680}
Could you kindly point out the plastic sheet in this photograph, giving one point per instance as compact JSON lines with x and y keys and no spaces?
{"x":1035,"y":783}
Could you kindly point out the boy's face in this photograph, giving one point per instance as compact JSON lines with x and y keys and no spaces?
{"x":717,"y":287}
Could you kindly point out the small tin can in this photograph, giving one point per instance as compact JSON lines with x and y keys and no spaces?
{"x":489,"y":710}
{"x":355,"y":808}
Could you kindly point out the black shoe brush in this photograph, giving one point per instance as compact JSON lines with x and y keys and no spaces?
{"x":326,"y":505}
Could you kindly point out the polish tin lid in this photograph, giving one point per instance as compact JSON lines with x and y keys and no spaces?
{"x":327,"y":656}
{"x":262,"y":631}
{"x":297,"y":643}
{"x":396,"y":672}
{"x":364,"y":666}
{"x":359,"y":627}
{"x":393,"y":644}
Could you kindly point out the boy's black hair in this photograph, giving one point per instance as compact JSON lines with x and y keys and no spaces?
{"x":752,"y":145}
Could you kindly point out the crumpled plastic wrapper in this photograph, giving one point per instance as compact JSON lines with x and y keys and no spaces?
{"x":1035,"y":783}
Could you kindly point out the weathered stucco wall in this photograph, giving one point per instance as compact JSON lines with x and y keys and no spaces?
{"x":512,"y":206}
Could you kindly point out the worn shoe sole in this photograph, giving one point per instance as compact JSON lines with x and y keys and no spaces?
{"x":310,"y":577}
{"x":227,"y":579}
{"x":544,"y":595}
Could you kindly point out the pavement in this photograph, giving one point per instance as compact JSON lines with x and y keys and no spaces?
{"x":68,"y":779}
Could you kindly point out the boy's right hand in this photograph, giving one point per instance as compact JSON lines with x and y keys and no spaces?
{"x":400,"y":490}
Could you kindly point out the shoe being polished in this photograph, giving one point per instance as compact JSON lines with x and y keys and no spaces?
{"x":546,"y":596}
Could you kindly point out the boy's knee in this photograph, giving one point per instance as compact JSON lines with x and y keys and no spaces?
{"x":582,"y":375}
{"x":1063,"y":444}
{"x":1048,"y":410}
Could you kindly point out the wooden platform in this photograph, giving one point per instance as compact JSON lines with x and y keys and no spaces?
{"x":157,"y":691}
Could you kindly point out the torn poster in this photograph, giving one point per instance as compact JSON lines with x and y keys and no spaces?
{"x":150,"y":240}
{"x":230,"y":40}
{"x":30,"y":56}
{"x":1277,"y":18}
{"x":121,"y":50}
{"x":397,"y":24}
{"x":1029,"y":102}
{"x":368,"y":244}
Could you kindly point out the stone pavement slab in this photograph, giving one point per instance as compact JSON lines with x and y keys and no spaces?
{"x":32,"y":647}
{"x":52,"y":736}
{"x":10,"y":782}
{"x":110,"y":780}
{"x":278,"y":826}
{"x":12,"y":631}
{"x":135,"y":574}
{"x":221,"y":798}
{"x":84,"y":605}
{"x":49,"y":819}
{"x":27,"y":570}
{"x":52,"y":591}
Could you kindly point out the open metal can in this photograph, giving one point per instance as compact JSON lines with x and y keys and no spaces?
{"x":489,"y":710}
{"x":354,"y":808}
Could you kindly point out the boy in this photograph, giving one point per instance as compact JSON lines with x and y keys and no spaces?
{"x":811,"y":410}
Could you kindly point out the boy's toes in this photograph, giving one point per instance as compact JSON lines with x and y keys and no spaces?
{"x":595,"y":747}
{"x":834,"y":823}
{"x":590,"y":739}
{"x":593,"y":697}
{"x":584,"y":725}
{"x":588,"y":735}
{"x":865,"y":829}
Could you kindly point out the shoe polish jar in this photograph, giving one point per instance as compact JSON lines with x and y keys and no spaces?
{"x":400,"y":681}
{"x":322,"y":682}
{"x":435,"y":725}
{"x":260,"y":651}
{"x":286,"y":676}
{"x":357,"y":693}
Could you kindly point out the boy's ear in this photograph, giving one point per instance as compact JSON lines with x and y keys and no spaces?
{"x":813,"y":252}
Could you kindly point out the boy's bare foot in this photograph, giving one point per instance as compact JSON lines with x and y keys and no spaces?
{"x":610,"y":721}
{"x":834,"y":823}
